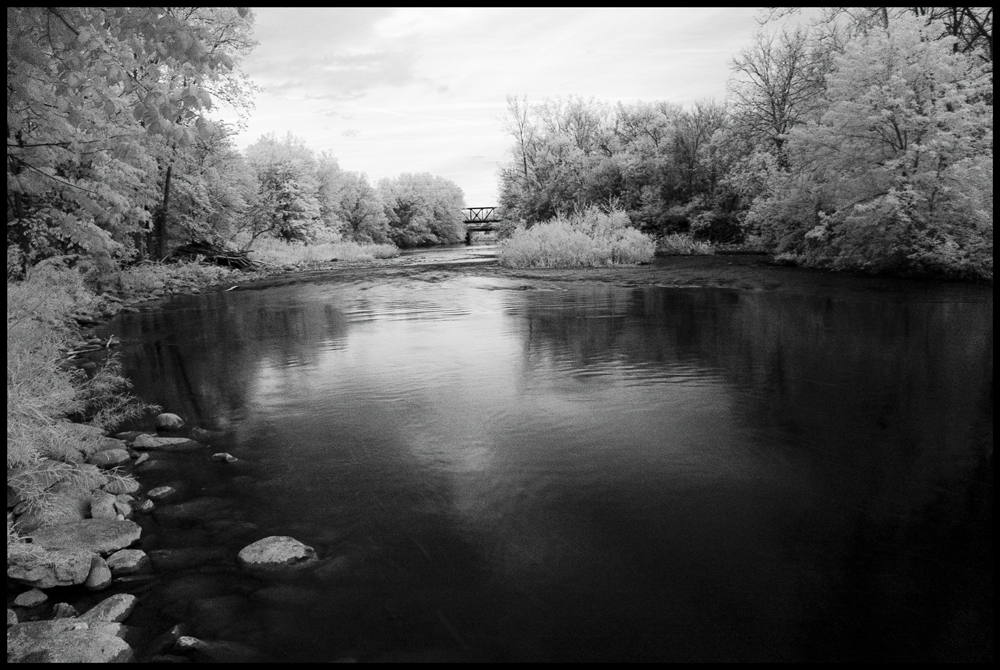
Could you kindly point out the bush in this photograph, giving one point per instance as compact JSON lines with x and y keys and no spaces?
{"x":680,"y":244}
{"x":276,"y":252}
{"x":588,"y":238}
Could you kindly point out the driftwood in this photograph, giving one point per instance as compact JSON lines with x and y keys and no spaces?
{"x":216,"y":254}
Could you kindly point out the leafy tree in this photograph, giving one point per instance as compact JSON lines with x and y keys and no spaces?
{"x":287,"y":203}
{"x":897,"y":174}
{"x":422,"y":209}
{"x":95,"y":97}
{"x":359,"y":208}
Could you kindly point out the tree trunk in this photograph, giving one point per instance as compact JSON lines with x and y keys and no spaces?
{"x":160,"y":222}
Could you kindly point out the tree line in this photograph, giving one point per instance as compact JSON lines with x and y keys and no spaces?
{"x":863,"y":141}
{"x":111,"y":154}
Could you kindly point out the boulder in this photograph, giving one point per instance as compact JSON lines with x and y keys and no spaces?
{"x":114,"y":609}
{"x":11,"y":617}
{"x":109,"y":458}
{"x":127,"y":562}
{"x":153,"y":443}
{"x":49,"y":567}
{"x":100,"y":575}
{"x":276,"y":555}
{"x":31,"y":598}
{"x":65,"y":641}
{"x":102,"y":505}
{"x":100,"y":536}
{"x":63,"y":611}
{"x":97,"y":445}
{"x":223,"y":457}
{"x":168,"y":421}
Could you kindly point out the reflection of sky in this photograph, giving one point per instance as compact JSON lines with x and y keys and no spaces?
{"x":449,"y":375}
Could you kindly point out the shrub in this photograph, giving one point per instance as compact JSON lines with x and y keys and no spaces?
{"x":276,"y":252}
{"x":587,"y":238}
{"x":41,"y":448}
{"x":681,"y":244}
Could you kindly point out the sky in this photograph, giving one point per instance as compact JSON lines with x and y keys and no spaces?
{"x":388,"y":91}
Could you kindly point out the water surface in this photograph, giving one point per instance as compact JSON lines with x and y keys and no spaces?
{"x":588,"y":472}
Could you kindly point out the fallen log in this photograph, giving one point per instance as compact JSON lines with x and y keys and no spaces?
{"x":215,"y":254}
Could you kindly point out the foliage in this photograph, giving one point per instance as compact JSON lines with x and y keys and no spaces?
{"x":422,"y":209}
{"x":99,"y":101}
{"x":41,"y":448}
{"x":681,"y":244}
{"x":587,"y":238}
{"x":144,"y":278}
{"x":897,"y":175}
{"x":356,"y":207}
{"x":277,"y":252}
{"x":288,"y":203}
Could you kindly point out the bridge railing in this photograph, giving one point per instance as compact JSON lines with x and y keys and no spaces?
{"x":472,"y":215}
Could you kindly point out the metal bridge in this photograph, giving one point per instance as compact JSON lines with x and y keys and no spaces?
{"x":479,"y":219}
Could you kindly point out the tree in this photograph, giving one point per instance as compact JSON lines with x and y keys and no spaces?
{"x":422,"y":209}
{"x":897,"y":174}
{"x":361,"y":210}
{"x":778,"y":84}
{"x":94,"y":97}
{"x":287,"y":196}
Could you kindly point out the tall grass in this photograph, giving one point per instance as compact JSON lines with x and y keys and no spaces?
{"x":41,"y":448}
{"x":588,"y":238}
{"x":278,"y":252}
{"x":683,"y":244}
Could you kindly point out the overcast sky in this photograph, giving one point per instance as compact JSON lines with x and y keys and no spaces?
{"x":389,"y":91}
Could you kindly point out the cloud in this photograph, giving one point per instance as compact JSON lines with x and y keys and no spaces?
{"x":350,"y":132}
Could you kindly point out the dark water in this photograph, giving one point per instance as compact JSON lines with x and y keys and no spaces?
{"x":587,"y":473}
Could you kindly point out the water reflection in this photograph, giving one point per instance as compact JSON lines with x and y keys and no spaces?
{"x":601,"y":473}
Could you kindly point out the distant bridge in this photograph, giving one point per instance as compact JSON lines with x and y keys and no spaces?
{"x":479,"y":219}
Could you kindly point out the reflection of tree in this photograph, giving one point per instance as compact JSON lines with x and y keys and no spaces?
{"x":884,"y":404}
{"x":204,"y":362}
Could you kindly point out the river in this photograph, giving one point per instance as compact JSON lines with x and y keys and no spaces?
{"x":501,"y":469}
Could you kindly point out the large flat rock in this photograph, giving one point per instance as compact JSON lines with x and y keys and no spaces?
{"x":65,"y":641}
{"x":100,"y":536}
{"x":46,"y":568}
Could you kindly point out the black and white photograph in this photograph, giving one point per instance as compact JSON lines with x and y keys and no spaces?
{"x":499,"y":334}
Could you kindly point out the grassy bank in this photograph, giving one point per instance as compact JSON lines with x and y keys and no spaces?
{"x":45,"y":390}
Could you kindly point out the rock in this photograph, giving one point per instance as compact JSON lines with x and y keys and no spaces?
{"x":165,"y":443}
{"x":203,"y":435}
{"x":110,"y":458}
{"x":141,"y":459}
{"x":168,"y":421}
{"x":49,"y":567}
{"x":123,"y":509}
{"x":129,"y":435}
{"x":102,"y":505}
{"x":161,"y":493}
{"x":101,"y":536}
{"x":119,"y":486}
{"x":146,"y":506}
{"x":127,"y":562}
{"x":68,"y":502}
{"x":276,"y":555}
{"x":30,"y":598}
{"x":223,"y":457}
{"x":165,"y":641}
{"x":63,"y":611}
{"x":114,"y":609}
{"x":190,"y":557}
{"x":218,"y":651}
{"x":11,"y":617}
{"x":91,"y":446}
{"x":64,"y":641}
{"x":100,"y":575}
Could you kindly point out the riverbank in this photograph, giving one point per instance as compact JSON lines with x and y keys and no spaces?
{"x":751,"y":273}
